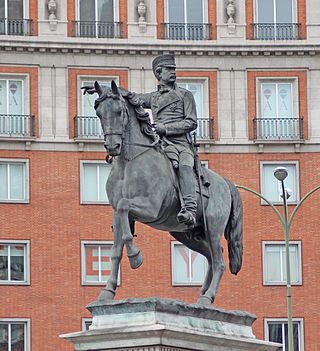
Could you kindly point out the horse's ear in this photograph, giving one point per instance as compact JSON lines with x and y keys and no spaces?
{"x":98,"y":88}
{"x":114,"y":88}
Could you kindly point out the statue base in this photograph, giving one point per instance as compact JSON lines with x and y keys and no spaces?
{"x":156,"y":324}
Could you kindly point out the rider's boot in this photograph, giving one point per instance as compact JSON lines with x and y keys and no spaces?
{"x":187,"y":214}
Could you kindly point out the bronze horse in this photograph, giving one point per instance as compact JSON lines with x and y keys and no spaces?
{"x":142,"y":186}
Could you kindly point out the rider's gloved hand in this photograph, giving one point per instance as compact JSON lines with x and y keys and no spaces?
{"x":160,"y":129}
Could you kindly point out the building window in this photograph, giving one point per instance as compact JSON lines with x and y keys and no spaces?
{"x":12,"y":18}
{"x":98,"y":18}
{"x":86,"y":323}
{"x":14,"y":335}
{"x":186,"y":20}
{"x":14,"y":262}
{"x":96,"y":262}
{"x":14,"y":185}
{"x":94,"y":176}
{"x":271,"y":187}
{"x":275,"y":20}
{"x":276,"y":330}
{"x":278,"y":111}
{"x":274,"y":263}
{"x":87,"y":124}
{"x":188,"y":267}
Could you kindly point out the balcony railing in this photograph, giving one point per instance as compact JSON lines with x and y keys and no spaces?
{"x":16,"y":26}
{"x":17,"y":126}
{"x":186,"y":31}
{"x":275,"y":31}
{"x":278,"y":129}
{"x":97,"y":29}
{"x":89,"y":128}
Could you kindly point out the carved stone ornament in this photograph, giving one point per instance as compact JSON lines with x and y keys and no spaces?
{"x":52,"y":8}
{"x":231,"y":11}
{"x":142,"y":10}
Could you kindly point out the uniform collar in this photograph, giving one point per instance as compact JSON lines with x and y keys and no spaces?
{"x":165,"y":89}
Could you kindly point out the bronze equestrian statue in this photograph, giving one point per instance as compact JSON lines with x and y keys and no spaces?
{"x":143,"y":186}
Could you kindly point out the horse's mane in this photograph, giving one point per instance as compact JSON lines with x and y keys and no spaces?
{"x":141,"y":114}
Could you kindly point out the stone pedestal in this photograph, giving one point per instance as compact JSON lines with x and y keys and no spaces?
{"x":166,"y":325}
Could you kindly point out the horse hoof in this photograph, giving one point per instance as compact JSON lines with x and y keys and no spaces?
{"x":204,"y":301}
{"x":106,"y":295}
{"x":136,"y":260}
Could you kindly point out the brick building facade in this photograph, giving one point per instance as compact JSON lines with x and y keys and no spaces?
{"x":256,"y":84}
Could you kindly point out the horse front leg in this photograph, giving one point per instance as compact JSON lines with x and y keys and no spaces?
{"x":109,"y":291}
{"x":135,"y":257}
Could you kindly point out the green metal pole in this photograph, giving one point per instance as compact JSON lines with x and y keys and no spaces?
{"x":289,"y":293}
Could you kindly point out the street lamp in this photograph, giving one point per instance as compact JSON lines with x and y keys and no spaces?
{"x":281,"y":174}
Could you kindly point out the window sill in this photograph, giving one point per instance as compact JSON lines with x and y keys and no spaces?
{"x":15,"y":283}
{"x":2,"y":201}
{"x":281,"y":284}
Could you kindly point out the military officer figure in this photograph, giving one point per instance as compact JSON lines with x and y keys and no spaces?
{"x":174,"y":114}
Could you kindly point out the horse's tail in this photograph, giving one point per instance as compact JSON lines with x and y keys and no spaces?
{"x":233,"y":230}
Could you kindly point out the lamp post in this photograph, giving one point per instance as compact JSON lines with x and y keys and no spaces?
{"x":281,"y":174}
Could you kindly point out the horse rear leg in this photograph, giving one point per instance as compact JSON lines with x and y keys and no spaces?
{"x":109,"y":291}
{"x":215,"y":229}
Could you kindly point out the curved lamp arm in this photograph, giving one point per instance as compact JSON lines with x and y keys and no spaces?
{"x":267,"y":201}
{"x":300,"y":203}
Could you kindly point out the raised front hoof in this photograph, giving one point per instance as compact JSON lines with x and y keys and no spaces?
{"x":106,"y":295}
{"x":136,"y":260}
{"x":204,"y":300}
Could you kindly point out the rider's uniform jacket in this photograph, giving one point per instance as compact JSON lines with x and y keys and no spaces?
{"x":176,"y":109}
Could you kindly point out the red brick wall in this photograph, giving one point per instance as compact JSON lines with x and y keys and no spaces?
{"x":33,"y":14}
{"x":55,"y":223}
{"x":123,"y":16}
{"x":73,"y":74}
{"x":32,"y":72}
{"x":212,"y":17}
{"x":302,"y":91}
{"x":212,"y":80}
{"x":301,"y":9}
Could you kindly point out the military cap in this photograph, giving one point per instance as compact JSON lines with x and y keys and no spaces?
{"x":163,"y":61}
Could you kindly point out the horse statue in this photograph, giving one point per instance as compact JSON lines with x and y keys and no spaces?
{"x":142,"y":186}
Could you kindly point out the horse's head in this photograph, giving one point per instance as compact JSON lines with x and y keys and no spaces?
{"x":112,"y":110}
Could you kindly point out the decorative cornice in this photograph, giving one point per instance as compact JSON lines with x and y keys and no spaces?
{"x":130,"y":47}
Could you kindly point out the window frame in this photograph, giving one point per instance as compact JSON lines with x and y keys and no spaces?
{"x":27,"y":329}
{"x":282,"y":321}
{"x":264,"y":262}
{"x":294,"y":14}
{"x":25,"y":11}
{"x":294,"y":81}
{"x":116,"y":11}
{"x":26,"y":180}
{"x":83,"y":78}
{"x":190,"y":283}
{"x":204,"y":12}
{"x":85,"y":243}
{"x":25,"y":79}
{"x":82,"y":171}
{"x":83,"y":323}
{"x":26,"y":244}
{"x":296,"y":179}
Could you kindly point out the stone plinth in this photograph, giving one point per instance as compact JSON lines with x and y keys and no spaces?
{"x":166,"y":325}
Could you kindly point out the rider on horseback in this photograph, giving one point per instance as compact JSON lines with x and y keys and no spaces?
{"x":174,"y":114}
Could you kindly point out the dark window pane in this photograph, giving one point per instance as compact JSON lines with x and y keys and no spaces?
{"x":2,"y":9}
{"x":3,"y":337}
{"x":284,"y":11}
{"x":17,"y":337}
{"x":194,"y":11}
{"x":4,"y":262}
{"x":265,"y":11}
{"x":295,"y":336}
{"x":105,"y":10}
{"x":176,"y":11}
{"x":15,"y":9}
{"x":275,"y":332}
{"x":87,"y":10}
